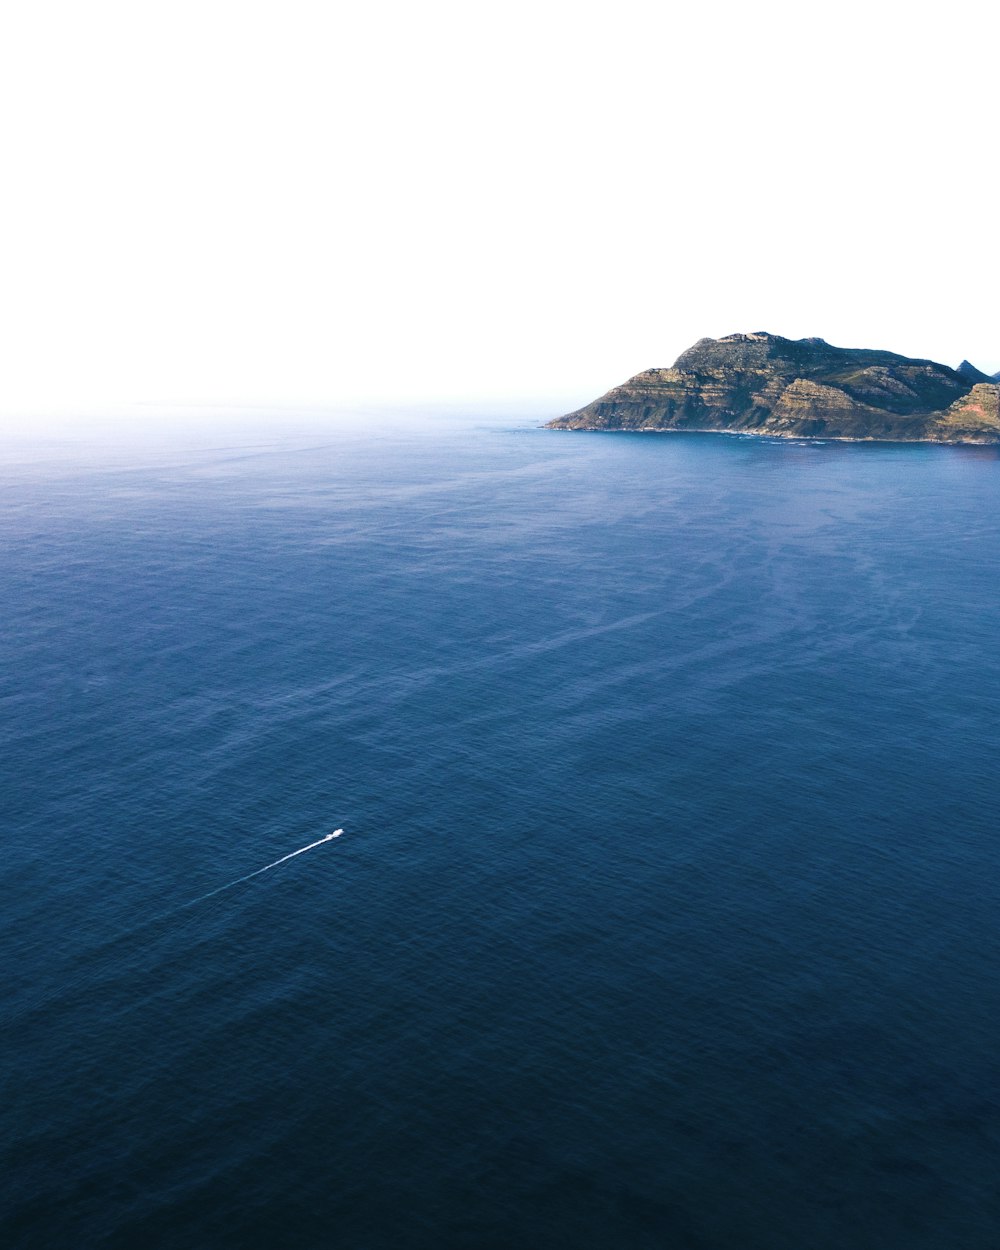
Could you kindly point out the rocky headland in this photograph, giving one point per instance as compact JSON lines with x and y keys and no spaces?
{"x":801,"y":388}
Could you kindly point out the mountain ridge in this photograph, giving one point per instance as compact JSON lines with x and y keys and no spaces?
{"x":761,"y":383}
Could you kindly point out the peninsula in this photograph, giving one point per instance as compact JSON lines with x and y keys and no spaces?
{"x":801,"y":388}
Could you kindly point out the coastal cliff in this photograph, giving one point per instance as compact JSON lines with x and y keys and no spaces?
{"x":764,"y":384}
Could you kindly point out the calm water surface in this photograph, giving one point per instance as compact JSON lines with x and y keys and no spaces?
{"x":668,"y":906}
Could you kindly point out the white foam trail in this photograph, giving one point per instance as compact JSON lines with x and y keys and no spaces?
{"x":267,"y":867}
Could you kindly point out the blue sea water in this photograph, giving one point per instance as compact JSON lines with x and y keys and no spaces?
{"x":668,"y":905}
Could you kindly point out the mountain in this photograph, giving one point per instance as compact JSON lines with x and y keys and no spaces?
{"x":973,"y":374}
{"x":764,"y":384}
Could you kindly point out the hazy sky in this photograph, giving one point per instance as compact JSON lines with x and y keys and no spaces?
{"x":257,"y":202}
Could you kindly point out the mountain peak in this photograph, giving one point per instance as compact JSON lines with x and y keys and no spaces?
{"x":970,"y":371}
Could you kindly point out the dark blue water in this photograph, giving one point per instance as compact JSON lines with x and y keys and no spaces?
{"x":668,"y":907}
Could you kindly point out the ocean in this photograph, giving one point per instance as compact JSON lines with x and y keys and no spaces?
{"x":667,"y":908}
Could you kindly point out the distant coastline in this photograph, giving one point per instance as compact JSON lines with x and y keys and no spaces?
{"x":785,"y":436}
{"x":763,"y":385}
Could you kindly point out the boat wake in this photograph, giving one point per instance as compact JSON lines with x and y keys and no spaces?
{"x":267,"y":868}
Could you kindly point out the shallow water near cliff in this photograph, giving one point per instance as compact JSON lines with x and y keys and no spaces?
{"x":668,"y":904}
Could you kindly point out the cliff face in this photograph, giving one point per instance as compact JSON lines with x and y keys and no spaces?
{"x":763,"y":384}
